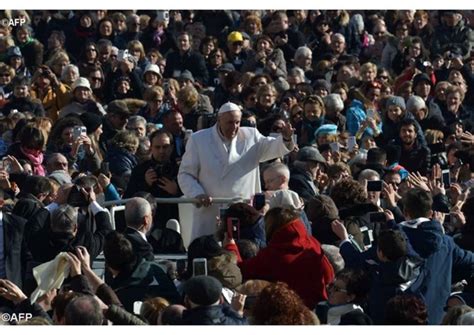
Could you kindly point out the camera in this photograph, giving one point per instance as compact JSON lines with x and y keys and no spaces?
{"x":164,"y":170}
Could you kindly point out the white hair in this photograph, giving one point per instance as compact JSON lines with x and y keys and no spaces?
{"x":297,"y":72}
{"x":280,"y":169}
{"x":415,"y":103}
{"x":303,"y":51}
{"x":333,"y":102}
{"x":368,"y":174}
{"x":67,"y":68}
{"x":135,"y":210}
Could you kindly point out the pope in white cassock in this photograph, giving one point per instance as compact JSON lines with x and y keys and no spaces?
{"x":223,"y":162}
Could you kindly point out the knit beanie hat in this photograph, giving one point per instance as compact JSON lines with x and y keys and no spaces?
{"x":91,"y":121}
{"x":397,"y":101}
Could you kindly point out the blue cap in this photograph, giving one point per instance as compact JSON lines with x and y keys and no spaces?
{"x":326,"y":129}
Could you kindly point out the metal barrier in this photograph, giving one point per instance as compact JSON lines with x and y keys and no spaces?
{"x":185,"y":206}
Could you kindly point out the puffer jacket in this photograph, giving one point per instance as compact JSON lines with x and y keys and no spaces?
{"x":294,"y":257}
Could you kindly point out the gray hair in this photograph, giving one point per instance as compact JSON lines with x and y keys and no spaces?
{"x":367,"y":174}
{"x":135,"y":210}
{"x":136,"y":119}
{"x":357,"y":23}
{"x":338,"y":35}
{"x":303,"y":51}
{"x":297,"y":72}
{"x":415,"y":103}
{"x":67,"y":68}
{"x":333,"y":102}
{"x":64,"y":219}
{"x":278,"y":168}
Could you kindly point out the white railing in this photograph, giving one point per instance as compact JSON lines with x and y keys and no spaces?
{"x":185,"y":206}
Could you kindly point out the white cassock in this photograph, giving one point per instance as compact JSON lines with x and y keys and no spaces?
{"x":208,"y":167}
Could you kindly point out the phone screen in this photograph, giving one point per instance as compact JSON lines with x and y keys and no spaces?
{"x":200,"y":267}
{"x":351,"y":143}
{"x":334,"y":146}
{"x":258,"y":201}
{"x":446,"y":178}
{"x":374,"y":185}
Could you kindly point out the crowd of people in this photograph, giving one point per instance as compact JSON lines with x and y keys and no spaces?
{"x":346,"y":135}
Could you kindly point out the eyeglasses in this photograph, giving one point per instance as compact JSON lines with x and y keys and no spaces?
{"x":334,"y":288}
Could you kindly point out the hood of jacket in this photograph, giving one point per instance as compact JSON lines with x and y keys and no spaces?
{"x":401,"y":272}
{"x":292,"y":237}
{"x":425,"y":235}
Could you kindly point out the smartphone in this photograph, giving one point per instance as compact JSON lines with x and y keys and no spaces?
{"x":375,"y":217}
{"x":437,"y":148}
{"x":187,"y":134}
{"x":137,"y":306}
{"x":180,"y":266}
{"x":446,"y":175}
{"x":367,"y":236}
{"x":374,"y":186}
{"x":334,"y":146}
{"x":351,"y":143}
{"x":233,"y":228}
{"x":78,"y":131}
{"x":200,"y":267}
{"x":258,"y":201}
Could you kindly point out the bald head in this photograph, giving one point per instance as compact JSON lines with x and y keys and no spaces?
{"x":55,"y":162}
{"x":138,"y":214}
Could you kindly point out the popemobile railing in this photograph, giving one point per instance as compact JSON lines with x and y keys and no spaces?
{"x":185,"y":206}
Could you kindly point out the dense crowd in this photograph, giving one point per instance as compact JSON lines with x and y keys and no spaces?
{"x":347,"y":135}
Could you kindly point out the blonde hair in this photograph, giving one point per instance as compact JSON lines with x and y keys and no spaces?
{"x":137,"y":45}
{"x":126,"y":140}
{"x":57,"y":58}
{"x":265,"y":89}
{"x":368,"y":66}
{"x":188,"y":96}
{"x":152,"y":308}
{"x":152,"y":93}
{"x":433,"y":136}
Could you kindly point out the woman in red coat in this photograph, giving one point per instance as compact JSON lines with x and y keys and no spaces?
{"x":292,"y":256}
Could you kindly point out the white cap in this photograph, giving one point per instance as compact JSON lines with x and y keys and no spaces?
{"x":153,"y":68}
{"x":229,"y":107}
{"x":285,"y":199}
{"x":81,"y":82}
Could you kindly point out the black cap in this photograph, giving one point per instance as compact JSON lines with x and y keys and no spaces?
{"x":203,"y":290}
{"x":421,"y":77}
{"x":91,"y":121}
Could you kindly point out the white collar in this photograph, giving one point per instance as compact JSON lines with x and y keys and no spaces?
{"x":335,"y":313}
{"x":414,"y":223}
{"x":139,"y":232}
